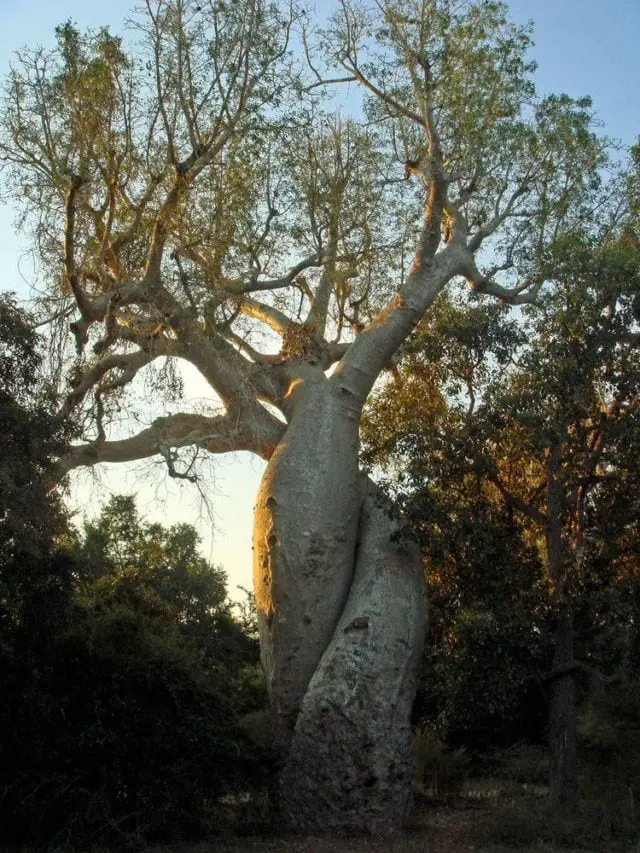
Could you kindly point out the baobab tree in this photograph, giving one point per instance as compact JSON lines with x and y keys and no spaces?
{"x":192,"y":190}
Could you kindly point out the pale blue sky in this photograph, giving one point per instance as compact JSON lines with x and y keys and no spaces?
{"x":582,"y":47}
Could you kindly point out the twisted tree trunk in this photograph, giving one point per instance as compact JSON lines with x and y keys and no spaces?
{"x":341,"y":608}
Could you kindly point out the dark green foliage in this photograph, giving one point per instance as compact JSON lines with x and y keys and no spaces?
{"x":122,"y":719}
{"x":29,"y":436}
{"x":158,"y":570}
{"x":120,"y":736}
{"x":125,"y":674}
{"x":479,"y":405}
{"x":485,"y":653}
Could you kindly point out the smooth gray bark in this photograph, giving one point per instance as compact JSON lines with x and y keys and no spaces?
{"x":305,"y":529}
{"x":342,"y":611}
{"x":349,"y":767}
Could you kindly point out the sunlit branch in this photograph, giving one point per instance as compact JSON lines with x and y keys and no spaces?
{"x":276,"y":320}
{"x":374,"y":347}
{"x":522,"y":506}
{"x":129,"y":364}
{"x":216,"y":434}
{"x":522,"y":294}
{"x":160,"y":227}
{"x":125,"y":236}
{"x":492,"y":226}
{"x":252,"y":284}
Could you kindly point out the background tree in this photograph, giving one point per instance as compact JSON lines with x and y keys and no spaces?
{"x":544,"y":428}
{"x":131,"y":561}
{"x":30,"y":438}
{"x":170,"y":214}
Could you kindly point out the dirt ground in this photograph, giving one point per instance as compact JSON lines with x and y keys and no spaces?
{"x":435,"y":829}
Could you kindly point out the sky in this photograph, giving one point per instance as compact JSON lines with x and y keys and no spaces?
{"x":583,"y":47}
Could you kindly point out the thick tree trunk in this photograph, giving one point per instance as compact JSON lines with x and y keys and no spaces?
{"x":342,"y":613}
{"x":305,"y":529}
{"x":563,"y":717}
{"x":349,"y":767}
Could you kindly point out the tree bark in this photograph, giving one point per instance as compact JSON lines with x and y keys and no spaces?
{"x":305,"y":529}
{"x":563,"y":717}
{"x":349,"y":767}
{"x":341,"y":610}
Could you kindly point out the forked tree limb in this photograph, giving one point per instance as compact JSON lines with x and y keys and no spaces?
{"x":221,"y":434}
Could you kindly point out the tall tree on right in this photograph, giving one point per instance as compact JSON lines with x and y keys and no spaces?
{"x":543,"y":424}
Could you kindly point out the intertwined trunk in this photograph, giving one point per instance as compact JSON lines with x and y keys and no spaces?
{"x":341,"y":607}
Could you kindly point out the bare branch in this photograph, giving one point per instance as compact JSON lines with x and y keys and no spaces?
{"x":247,"y":349}
{"x":253,"y":284}
{"x":492,"y":226}
{"x":317,"y":316}
{"x":376,"y":344}
{"x":522,"y":294}
{"x":215,"y":434}
{"x":129,"y":364}
{"x":275,"y":319}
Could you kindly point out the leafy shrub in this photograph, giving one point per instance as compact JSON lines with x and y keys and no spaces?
{"x":124,"y":737}
{"x":525,"y":822}
{"x":610,"y":749}
{"x":123,"y":691}
{"x":522,"y":763}
{"x":440,"y":771}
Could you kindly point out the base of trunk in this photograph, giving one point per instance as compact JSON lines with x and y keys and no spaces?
{"x":350,"y":768}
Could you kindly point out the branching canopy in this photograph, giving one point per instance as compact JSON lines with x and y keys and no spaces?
{"x":192,"y":196}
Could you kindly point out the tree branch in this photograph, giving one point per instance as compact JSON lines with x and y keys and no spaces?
{"x":70,"y":270}
{"x":317,"y":316}
{"x":492,"y":226}
{"x":129,"y":364}
{"x":522,"y":506}
{"x":522,"y":294}
{"x":275,"y":319}
{"x":374,"y":347}
{"x":252,"y":284}
{"x":215,"y":434}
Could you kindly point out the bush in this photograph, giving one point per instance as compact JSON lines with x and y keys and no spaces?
{"x":123,"y":693}
{"x":440,"y":771}
{"x":609,"y":729}
{"x":120,"y":738}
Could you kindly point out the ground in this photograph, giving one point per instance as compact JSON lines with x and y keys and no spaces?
{"x":462,"y":826}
